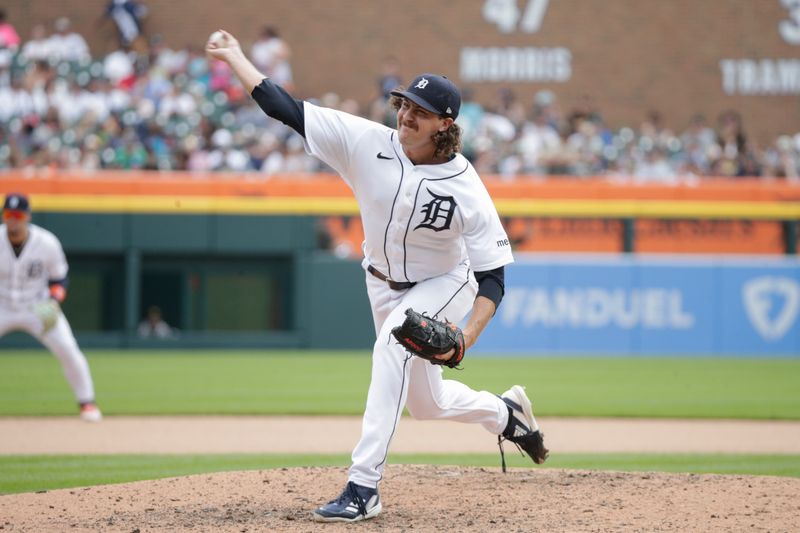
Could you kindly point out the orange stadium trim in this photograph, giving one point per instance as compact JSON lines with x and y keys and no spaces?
{"x":177,"y":192}
{"x":553,"y":214}
{"x":224,"y":184}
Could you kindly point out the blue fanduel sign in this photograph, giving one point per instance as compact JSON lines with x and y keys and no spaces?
{"x":638,"y":305}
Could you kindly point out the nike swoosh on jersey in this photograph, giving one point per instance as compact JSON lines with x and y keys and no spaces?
{"x":381,"y":156}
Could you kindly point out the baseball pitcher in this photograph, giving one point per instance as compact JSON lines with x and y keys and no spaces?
{"x":33,"y":283}
{"x":434,"y":250}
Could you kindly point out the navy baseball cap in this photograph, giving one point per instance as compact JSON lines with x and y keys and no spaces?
{"x":435,"y":93}
{"x":17,"y":202}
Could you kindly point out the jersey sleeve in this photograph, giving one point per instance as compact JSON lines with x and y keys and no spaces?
{"x":278,"y":104}
{"x":56,"y":261}
{"x":486,"y":240}
{"x":332,"y":136}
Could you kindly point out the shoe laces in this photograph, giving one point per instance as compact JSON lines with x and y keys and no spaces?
{"x":350,"y":493}
{"x":500,"y":440}
{"x":516,"y":428}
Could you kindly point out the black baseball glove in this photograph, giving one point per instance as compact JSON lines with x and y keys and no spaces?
{"x":427,"y":337}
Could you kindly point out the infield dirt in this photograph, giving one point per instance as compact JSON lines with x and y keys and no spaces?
{"x":419,"y":497}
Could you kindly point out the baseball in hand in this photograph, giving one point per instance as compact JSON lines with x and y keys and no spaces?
{"x":217,"y":38}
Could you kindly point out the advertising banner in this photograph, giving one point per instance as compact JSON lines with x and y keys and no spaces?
{"x":638,"y":305}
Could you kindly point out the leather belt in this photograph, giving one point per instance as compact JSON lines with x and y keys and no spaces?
{"x":394,"y":285}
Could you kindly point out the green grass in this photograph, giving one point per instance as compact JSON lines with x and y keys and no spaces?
{"x":36,"y":473}
{"x":299,"y":382}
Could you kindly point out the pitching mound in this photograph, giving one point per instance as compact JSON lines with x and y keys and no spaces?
{"x":420,"y":498}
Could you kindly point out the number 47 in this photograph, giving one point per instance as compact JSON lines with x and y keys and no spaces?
{"x":506,"y":15}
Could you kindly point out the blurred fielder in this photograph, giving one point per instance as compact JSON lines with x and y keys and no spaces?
{"x":33,"y":283}
{"x":433,"y":243}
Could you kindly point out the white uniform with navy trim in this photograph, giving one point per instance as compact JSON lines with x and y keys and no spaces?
{"x":429,"y":224}
{"x":23,"y":283}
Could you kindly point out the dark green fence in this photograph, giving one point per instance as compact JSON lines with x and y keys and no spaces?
{"x":220,"y":281}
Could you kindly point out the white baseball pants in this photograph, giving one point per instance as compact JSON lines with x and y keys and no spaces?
{"x":402,"y":380}
{"x":61,"y":343}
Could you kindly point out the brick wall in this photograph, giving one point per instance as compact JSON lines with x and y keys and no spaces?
{"x":627,"y":56}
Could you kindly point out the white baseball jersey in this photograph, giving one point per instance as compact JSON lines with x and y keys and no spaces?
{"x":429,"y":224}
{"x":24,"y":279}
{"x":420,"y":221}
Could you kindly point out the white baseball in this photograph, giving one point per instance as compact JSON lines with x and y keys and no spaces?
{"x":217,"y":38}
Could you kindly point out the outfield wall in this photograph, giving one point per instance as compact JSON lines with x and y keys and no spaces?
{"x":240,"y":262}
{"x":223,"y":281}
{"x":553,"y":214}
{"x":648,"y":305}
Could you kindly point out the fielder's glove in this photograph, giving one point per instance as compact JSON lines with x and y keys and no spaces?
{"x":427,"y":337}
{"x":47,"y":312}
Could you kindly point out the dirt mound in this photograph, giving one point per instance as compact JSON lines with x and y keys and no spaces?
{"x":420,"y":498}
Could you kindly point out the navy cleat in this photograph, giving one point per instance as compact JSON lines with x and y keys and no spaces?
{"x":522,"y":428}
{"x":353,"y":504}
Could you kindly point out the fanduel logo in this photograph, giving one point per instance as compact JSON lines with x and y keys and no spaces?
{"x":762,"y":297}
{"x":596,"y":307}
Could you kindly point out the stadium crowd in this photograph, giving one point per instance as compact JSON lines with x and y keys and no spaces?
{"x":167,"y":109}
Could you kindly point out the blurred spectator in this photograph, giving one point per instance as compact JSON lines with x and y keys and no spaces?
{"x":654,"y":168}
{"x":586,"y":145}
{"x":782,"y":159}
{"x":390,"y":78}
{"x":154,"y":326}
{"x":9,"y":38}
{"x":492,"y":146}
{"x":221,"y":77}
{"x":271,"y":55}
{"x":265,"y":154}
{"x":177,"y":103}
{"x":698,"y":144}
{"x":39,"y":46}
{"x":516,"y":111}
{"x":127,"y":16}
{"x":653,"y":128}
{"x":539,"y":146}
{"x":65,"y":44}
{"x":469,"y":119}
{"x":734,"y":156}
{"x":119,"y":69}
{"x":546,"y":102}
{"x":295,"y":158}
{"x":9,"y":44}
{"x":173,"y":110}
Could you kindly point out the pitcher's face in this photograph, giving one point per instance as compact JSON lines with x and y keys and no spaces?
{"x":416,"y":126}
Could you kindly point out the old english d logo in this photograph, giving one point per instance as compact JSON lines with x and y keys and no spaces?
{"x":438,"y":212}
{"x":35,"y":269}
{"x":762,"y":296}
